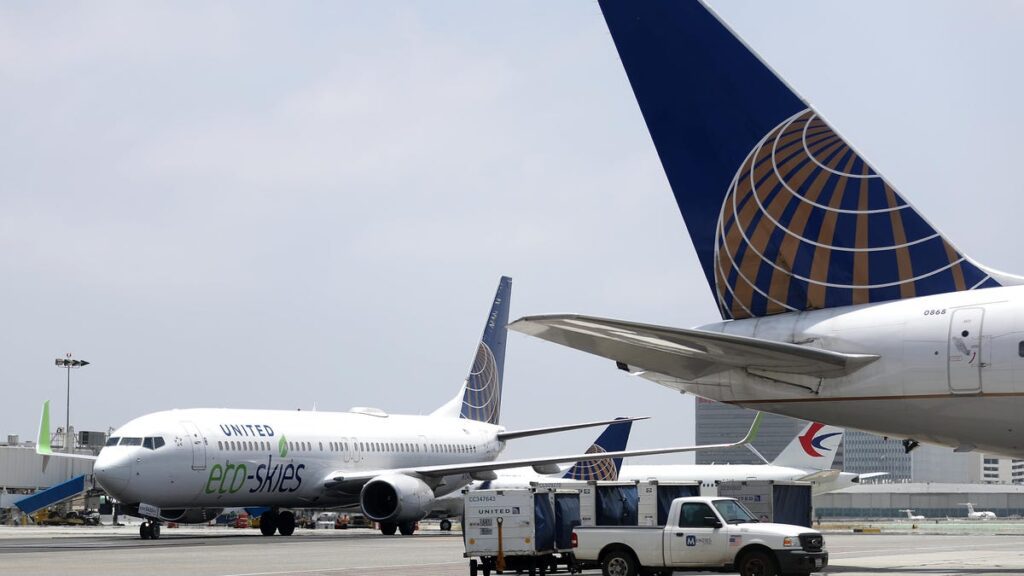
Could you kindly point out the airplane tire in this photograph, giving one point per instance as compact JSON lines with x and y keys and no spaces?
{"x":144,"y":532}
{"x":268,"y":523}
{"x":407,"y":528}
{"x":154,"y":531}
{"x":286,"y":523}
{"x":388,"y":528}
{"x":446,"y":525}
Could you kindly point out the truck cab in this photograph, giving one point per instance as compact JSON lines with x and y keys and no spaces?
{"x":703,"y":533}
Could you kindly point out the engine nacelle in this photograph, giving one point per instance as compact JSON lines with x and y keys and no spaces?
{"x":396,"y":498}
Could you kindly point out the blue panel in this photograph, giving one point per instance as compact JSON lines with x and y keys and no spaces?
{"x":52,"y":495}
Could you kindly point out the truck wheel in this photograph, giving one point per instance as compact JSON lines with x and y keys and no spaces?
{"x":619,"y":563}
{"x":472,"y":567}
{"x":757,"y":563}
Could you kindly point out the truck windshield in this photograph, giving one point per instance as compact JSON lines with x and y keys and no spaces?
{"x":734,"y":512}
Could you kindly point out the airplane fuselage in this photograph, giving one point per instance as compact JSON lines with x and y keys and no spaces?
{"x":223,"y":458}
{"x":950,"y":369}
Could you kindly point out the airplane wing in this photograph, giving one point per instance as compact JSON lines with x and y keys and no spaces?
{"x":347,"y":481}
{"x":686,"y":354}
{"x":871,"y":475}
{"x":503,"y":436}
{"x":43,"y":441}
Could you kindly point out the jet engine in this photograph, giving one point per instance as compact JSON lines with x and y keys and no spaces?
{"x":396,"y":498}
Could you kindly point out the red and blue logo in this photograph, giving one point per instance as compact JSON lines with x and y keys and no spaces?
{"x":811,"y":442}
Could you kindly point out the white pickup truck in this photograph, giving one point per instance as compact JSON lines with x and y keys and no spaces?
{"x":701,"y":533}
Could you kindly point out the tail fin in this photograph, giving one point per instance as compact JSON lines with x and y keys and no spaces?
{"x":613,"y":439}
{"x":814,"y":449}
{"x":480,"y":396}
{"x":784,"y":214}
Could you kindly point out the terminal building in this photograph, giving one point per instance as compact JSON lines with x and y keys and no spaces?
{"x":934,"y":501}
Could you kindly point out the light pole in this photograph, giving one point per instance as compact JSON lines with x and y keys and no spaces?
{"x":69,"y":363}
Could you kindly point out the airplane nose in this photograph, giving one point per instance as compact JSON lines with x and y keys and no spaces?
{"x":113,"y":471}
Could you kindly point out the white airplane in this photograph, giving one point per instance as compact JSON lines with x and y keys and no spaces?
{"x":840,"y":303}
{"x":978,"y":515}
{"x":187,"y":465}
{"x":807,"y":458}
{"x":912,"y":516}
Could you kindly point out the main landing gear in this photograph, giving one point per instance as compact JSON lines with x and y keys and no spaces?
{"x":281,"y":522}
{"x":405,"y":528}
{"x":149,"y":530}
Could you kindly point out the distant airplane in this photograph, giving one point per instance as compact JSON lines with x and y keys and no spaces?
{"x":977,"y":515}
{"x":187,"y":465}
{"x":840,"y":302}
{"x":912,"y":516}
{"x":807,"y":458}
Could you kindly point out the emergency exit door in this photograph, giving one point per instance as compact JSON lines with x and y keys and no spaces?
{"x":965,"y":353}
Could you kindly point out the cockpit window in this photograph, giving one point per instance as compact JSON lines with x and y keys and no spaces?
{"x":152,"y":442}
{"x":131,"y":441}
{"x":112,"y":441}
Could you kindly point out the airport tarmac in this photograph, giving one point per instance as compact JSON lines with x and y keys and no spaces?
{"x":239,"y":552}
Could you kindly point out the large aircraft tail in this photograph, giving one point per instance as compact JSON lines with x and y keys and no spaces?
{"x":784,"y":214}
{"x":613,"y":439}
{"x":480,"y":396}
{"x":813,"y":449}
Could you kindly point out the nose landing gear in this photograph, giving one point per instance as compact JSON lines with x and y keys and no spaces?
{"x":149,"y":530}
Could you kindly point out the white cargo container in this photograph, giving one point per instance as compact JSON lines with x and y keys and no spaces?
{"x":510,"y":530}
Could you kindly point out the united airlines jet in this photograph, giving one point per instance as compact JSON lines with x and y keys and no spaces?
{"x":187,"y":465}
{"x":839,"y":301}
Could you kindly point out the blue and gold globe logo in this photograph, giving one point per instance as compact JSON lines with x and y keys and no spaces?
{"x":806,"y":223}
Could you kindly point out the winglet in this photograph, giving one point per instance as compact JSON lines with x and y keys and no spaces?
{"x":755,"y":427}
{"x":43,"y":442}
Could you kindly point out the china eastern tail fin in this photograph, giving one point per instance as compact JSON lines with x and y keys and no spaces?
{"x":613,"y":439}
{"x":784,"y":214}
{"x":813,"y":449}
{"x":480,"y":396}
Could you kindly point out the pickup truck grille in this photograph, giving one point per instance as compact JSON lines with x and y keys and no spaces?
{"x":812,"y":542}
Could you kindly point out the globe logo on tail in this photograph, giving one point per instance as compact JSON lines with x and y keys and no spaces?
{"x":807,"y":224}
{"x":603,"y":469}
{"x":482,"y":399}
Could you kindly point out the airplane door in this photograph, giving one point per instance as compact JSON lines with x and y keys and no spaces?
{"x":198,"y":442}
{"x":965,"y":354}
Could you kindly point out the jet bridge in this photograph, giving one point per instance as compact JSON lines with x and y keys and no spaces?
{"x":52,"y":495}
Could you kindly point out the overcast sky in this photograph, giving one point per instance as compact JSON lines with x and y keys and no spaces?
{"x":282,"y":205}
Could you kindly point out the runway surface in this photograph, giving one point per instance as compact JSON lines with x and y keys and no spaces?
{"x":231,"y":552}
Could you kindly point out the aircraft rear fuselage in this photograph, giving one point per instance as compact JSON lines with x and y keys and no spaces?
{"x":950,"y":372}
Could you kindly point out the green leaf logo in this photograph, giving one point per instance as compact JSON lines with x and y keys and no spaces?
{"x":282,"y":446}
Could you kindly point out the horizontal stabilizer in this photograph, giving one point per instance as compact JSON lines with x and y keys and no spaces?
{"x":820,"y":476}
{"x":503,"y":436}
{"x":686,"y":354}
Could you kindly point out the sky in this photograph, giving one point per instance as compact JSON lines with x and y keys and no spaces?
{"x":309,"y":204}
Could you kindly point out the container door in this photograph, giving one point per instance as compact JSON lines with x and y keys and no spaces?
{"x":198,"y":441}
{"x":965,"y":354}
